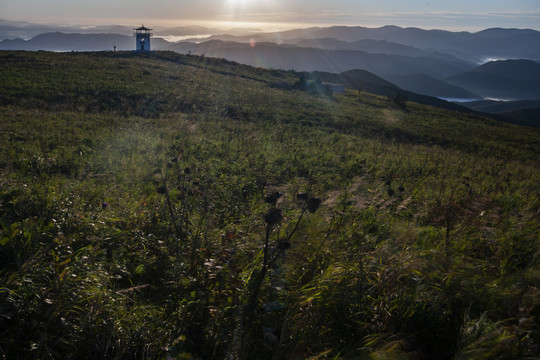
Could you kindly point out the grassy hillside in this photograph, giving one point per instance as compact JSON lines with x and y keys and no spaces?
{"x":158,"y":205}
{"x":365,"y":81}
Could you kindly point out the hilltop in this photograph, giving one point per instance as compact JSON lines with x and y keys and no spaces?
{"x":435,"y":63}
{"x":426,"y":63}
{"x":158,"y":205}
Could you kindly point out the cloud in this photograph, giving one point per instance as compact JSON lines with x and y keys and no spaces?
{"x":174,"y":13}
{"x":430,"y":19}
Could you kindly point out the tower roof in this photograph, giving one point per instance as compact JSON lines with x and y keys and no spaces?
{"x":142,"y":28}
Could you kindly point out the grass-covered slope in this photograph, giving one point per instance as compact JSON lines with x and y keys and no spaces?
{"x":160,"y":205}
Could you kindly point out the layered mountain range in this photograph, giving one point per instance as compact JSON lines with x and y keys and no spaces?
{"x":490,"y":65}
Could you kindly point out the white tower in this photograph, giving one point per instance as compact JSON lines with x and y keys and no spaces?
{"x":142,"y":38}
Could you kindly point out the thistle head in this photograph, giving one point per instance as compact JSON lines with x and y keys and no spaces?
{"x":273,"y":198}
{"x":313,"y":204}
{"x":273,"y":216}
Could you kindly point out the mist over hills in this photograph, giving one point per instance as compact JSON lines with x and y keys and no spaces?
{"x":59,"y":41}
{"x":493,"y":43}
{"x":476,"y":47}
{"x":501,"y":107}
{"x":25,"y":30}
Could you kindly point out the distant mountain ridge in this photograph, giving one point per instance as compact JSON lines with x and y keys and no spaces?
{"x":490,"y":43}
{"x":25,"y":30}
{"x":427,"y":85}
{"x":367,"y":45}
{"x":523,"y":112}
{"x":515,"y":69}
{"x":494,"y":43}
{"x":424,"y":62}
{"x":58,"y":41}
{"x":312,"y":59}
{"x":508,"y":79}
{"x":501,"y":107}
{"x":366,"y":81}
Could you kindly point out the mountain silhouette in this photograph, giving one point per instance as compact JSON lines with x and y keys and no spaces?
{"x":428,"y":85}
{"x":363,"y":80}
{"x":504,"y":79}
{"x":58,"y":41}
{"x":493,"y":43}
{"x":288,"y":56}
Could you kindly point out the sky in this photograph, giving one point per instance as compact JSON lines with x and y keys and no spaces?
{"x":467,"y":15}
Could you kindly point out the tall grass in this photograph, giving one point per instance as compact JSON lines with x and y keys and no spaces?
{"x":134,"y":222}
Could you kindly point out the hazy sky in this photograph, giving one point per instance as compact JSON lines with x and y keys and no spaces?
{"x":446,"y":14}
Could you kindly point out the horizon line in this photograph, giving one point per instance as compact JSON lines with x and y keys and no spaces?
{"x":248,"y":25}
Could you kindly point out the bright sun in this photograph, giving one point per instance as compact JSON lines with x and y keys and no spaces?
{"x":245,"y":11}
{"x":235,"y":6}
{"x":236,"y":2}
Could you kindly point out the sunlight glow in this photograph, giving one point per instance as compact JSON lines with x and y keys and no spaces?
{"x":249,"y":11}
{"x":427,"y":14}
{"x":235,"y":5}
{"x":237,"y":2}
